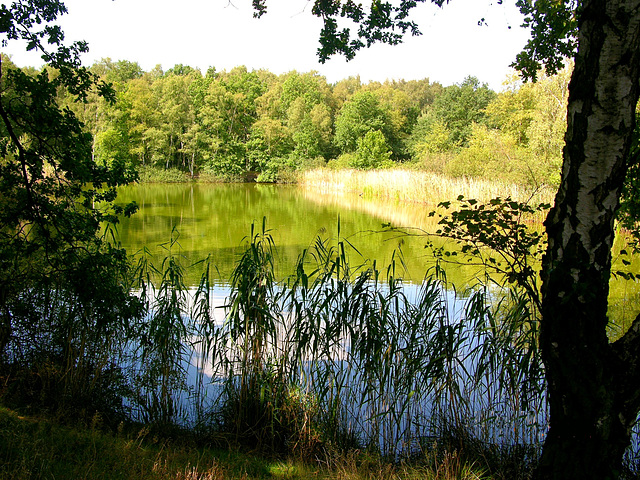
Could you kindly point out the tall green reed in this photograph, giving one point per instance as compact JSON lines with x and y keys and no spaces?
{"x":251,"y":358}
{"x":340,"y":354}
{"x":345,"y":353}
{"x":161,"y":340}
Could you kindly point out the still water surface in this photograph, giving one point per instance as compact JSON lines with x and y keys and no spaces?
{"x":216,"y":219}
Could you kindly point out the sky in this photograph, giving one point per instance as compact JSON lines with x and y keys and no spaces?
{"x":224,"y":34}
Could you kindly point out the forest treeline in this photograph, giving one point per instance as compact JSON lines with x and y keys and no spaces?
{"x":242,"y":124}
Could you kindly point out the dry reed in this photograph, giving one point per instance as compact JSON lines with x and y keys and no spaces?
{"x":418,"y":187}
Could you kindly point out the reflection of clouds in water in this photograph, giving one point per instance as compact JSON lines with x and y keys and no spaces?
{"x":391,"y":408}
{"x":199,"y":364}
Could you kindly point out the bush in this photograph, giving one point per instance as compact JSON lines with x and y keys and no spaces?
{"x":492,"y":154}
{"x":278,"y":170}
{"x":230,"y":166}
{"x":372,"y":151}
{"x":149,"y":174}
{"x":207,"y":176}
{"x":432,"y":138}
{"x":343,"y":161}
{"x":433,"y":162}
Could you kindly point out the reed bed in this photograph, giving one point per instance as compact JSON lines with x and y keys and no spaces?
{"x":343,"y":356}
{"x":418,"y":186}
{"x":335,"y":358}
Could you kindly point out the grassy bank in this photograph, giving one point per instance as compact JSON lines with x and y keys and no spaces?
{"x":33,"y":447}
{"x":147,"y":174}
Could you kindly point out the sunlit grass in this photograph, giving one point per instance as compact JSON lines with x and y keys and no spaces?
{"x":33,"y":447}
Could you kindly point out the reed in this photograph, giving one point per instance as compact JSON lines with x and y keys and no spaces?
{"x":418,"y":186}
{"x":340,"y":355}
{"x":160,"y":344}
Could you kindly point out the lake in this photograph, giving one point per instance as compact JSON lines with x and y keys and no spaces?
{"x":212,"y":220}
{"x":215,"y":219}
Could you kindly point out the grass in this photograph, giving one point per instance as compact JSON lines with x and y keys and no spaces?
{"x":34,"y":447}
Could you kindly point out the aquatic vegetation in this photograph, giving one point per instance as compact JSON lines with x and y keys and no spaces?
{"x":335,"y":356}
{"x":348,"y":355}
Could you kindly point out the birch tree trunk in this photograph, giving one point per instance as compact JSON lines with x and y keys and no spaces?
{"x":593,"y":385}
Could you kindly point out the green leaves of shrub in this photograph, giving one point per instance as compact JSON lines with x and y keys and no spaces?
{"x":500,"y":234}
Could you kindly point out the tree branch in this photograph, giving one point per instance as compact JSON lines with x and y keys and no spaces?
{"x":21,"y":151}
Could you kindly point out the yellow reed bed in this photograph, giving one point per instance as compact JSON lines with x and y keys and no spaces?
{"x":417,"y":186}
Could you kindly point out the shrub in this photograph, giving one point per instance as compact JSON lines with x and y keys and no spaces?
{"x":492,"y":154}
{"x":372,"y":151}
{"x":149,"y":174}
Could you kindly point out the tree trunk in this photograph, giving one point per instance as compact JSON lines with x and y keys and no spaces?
{"x":593,"y":385}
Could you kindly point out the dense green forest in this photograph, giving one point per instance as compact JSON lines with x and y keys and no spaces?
{"x":243,"y":124}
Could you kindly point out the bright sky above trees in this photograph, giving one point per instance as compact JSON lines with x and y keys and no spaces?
{"x":224,"y":34}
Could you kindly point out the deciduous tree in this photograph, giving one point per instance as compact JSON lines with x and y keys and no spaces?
{"x":459,"y":107}
{"x":362,"y":113}
{"x":50,"y":190}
